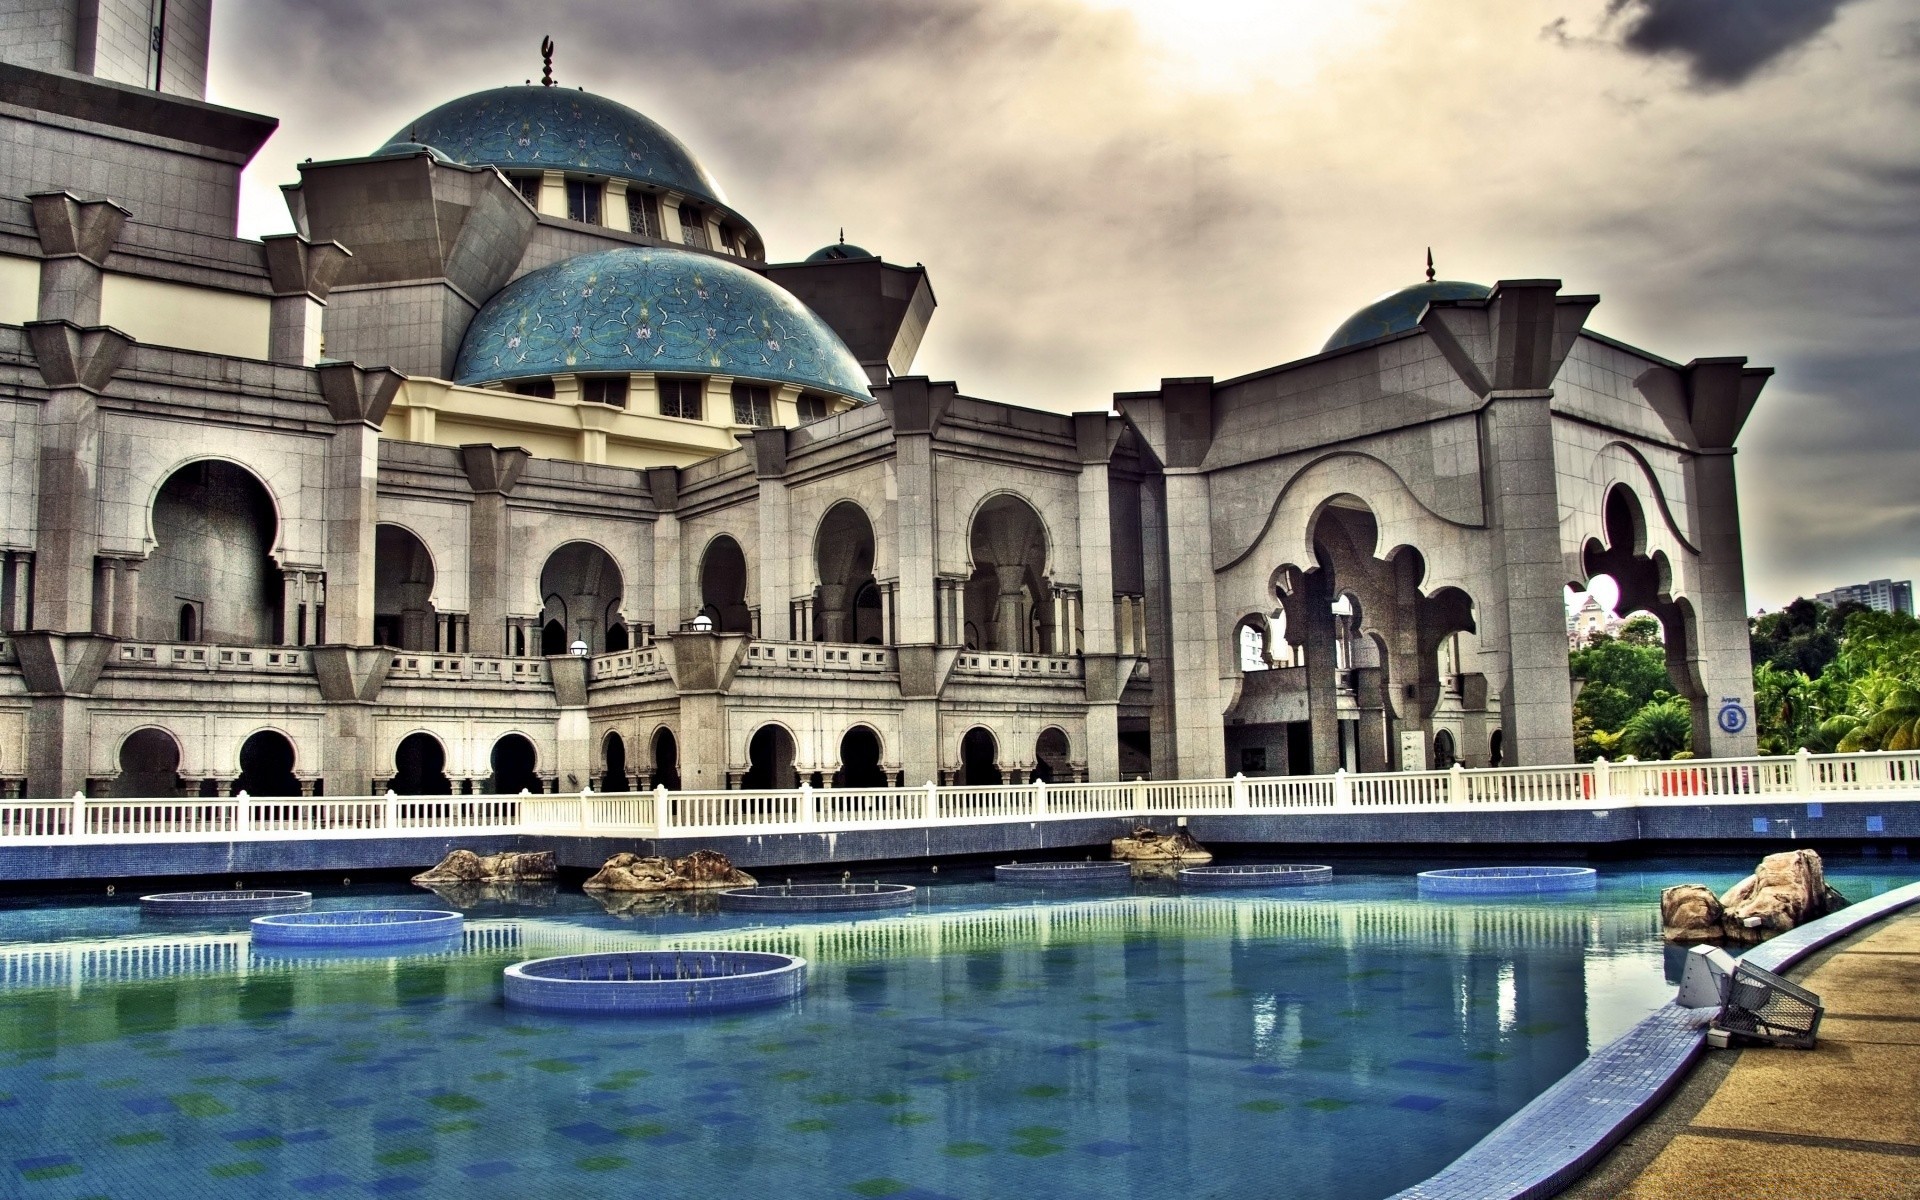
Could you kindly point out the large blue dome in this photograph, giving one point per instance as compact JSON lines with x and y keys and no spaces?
{"x":550,"y":128}
{"x":1399,"y":311}
{"x":645,"y":308}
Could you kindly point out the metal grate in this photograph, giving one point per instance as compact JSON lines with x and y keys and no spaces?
{"x":1762,"y":1005}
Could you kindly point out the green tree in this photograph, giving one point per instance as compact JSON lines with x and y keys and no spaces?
{"x":1890,"y":719}
{"x":1661,"y":729}
{"x":1618,"y":678}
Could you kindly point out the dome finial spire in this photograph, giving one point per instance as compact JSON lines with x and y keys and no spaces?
{"x":1429,"y":264}
{"x":546,"y":62}
{"x":843,"y":235}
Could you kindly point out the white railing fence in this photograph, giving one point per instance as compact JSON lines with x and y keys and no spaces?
{"x":662,"y":813}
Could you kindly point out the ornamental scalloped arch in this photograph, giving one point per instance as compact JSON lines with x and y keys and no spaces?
{"x":154,"y":484}
{"x":1047,"y":563}
{"x":879,"y":739}
{"x":547,"y":540}
{"x":433,"y":564}
{"x":1619,"y":465}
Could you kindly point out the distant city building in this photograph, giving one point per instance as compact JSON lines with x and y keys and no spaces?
{"x":1589,"y":619}
{"x":1881,"y":595}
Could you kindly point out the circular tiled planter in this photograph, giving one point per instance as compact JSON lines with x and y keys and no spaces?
{"x":818,"y":897}
{"x":655,"y":982}
{"x":1507,"y":881}
{"x":218,"y":903}
{"x":356,"y":927}
{"x":1253,"y":875}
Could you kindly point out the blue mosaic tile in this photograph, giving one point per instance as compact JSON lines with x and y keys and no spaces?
{"x":589,"y":1133}
{"x":1418,"y":1103}
{"x":395,"y":1185}
{"x":1108,"y":1149}
{"x":1264,"y":1069}
{"x":319,"y":1183}
{"x":148,"y":1106}
{"x":398,"y":1124}
{"x":488,"y":1170}
{"x":1431,"y":1068}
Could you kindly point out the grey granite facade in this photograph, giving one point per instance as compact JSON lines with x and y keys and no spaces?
{"x":224,"y":567}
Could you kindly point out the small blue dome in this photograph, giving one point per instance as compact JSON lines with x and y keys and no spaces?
{"x":1399,"y":311}
{"x":550,"y":128}
{"x":646,"y":308}
{"x":839,"y":250}
{"x":403,"y":149}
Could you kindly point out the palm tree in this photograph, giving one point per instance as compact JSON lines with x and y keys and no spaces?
{"x":1660,"y":729}
{"x":1892,"y":720}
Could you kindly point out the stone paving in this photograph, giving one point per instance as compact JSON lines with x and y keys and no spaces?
{"x":1835,"y":1123}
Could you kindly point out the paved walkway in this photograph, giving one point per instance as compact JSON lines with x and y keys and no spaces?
{"x":1836,"y":1123}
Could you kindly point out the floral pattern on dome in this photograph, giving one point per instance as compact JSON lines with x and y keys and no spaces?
{"x":641,"y":308}
{"x":557,"y":129}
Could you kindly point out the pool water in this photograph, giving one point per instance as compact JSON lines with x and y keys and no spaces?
{"x":1343,"y":1040}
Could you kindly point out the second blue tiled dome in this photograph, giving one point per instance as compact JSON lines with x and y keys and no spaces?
{"x":1399,"y":311}
{"x":554,"y":129}
{"x":648,"y":308}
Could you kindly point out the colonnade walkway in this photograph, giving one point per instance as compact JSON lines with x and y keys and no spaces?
{"x":1839,"y":1121}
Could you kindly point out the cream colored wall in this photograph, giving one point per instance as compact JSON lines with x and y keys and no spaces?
{"x":443,"y":414}
{"x":19,"y":289}
{"x":191,"y":318}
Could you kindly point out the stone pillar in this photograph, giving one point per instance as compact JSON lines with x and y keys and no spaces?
{"x":1009,"y":618}
{"x":77,"y":365}
{"x":1192,"y":627}
{"x":1096,"y":433}
{"x":16,"y":589}
{"x":75,"y":238}
{"x":126,"y":604}
{"x":358,"y":400}
{"x":887,"y":602}
{"x":1319,"y":636}
{"x":1720,"y":394}
{"x":773,"y":573}
{"x":1536,"y":699}
{"x":915,"y":408}
{"x":301,"y":272}
{"x":492,"y":473}
{"x":829,"y":622}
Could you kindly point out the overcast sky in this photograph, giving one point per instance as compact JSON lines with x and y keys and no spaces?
{"x":1106,"y":192}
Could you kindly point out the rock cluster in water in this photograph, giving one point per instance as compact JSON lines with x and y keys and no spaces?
{"x":464,"y":866}
{"x":700,"y":871}
{"x":1789,"y":889}
{"x":1147,"y":844}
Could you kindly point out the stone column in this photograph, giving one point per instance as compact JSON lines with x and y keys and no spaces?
{"x":1009,"y":617}
{"x":492,"y":474}
{"x":77,"y":365}
{"x":1193,"y":626}
{"x":358,"y":400}
{"x":1319,"y":635}
{"x":1721,"y":392}
{"x":126,"y":607}
{"x":301,"y":273}
{"x":1536,"y":699}
{"x":773,"y":572}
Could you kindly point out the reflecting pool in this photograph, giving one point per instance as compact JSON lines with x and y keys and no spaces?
{"x":1342,"y":1040}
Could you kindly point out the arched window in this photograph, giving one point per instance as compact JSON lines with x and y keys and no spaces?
{"x":843,"y":553}
{"x":859,"y":760}
{"x":149,"y":766}
{"x":1050,"y":756}
{"x":723,"y":587}
{"x":1008,"y":594}
{"x":266,"y":766}
{"x":419,"y":767}
{"x":581,"y":591}
{"x":613,"y":762}
{"x":666,"y":760}
{"x":980,"y":758}
{"x":188,"y":629}
{"x":513,"y":767}
{"x":403,"y":615}
{"x":1443,"y":754}
{"x":214,"y":527}
{"x":770,"y":759}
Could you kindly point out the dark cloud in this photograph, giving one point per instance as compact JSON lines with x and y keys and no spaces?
{"x":1723,"y":42}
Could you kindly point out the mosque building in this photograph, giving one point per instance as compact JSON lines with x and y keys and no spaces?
{"x":522,"y":464}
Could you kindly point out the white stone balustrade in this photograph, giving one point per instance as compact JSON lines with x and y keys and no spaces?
{"x":196,"y":656}
{"x":1597,"y":787}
